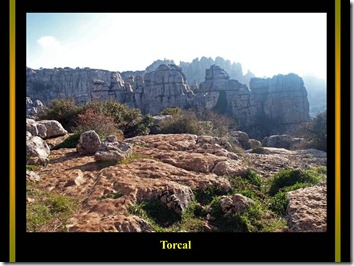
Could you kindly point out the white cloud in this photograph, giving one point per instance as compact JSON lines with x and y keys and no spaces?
{"x":49,"y":42}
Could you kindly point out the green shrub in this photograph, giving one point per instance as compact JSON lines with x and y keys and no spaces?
{"x":157,"y":212}
{"x":221,"y":124}
{"x":191,"y":221}
{"x":279,"y":203}
{"x":205,"y":196}
{"x":171,"y":111}
{"x":185,"y":122}
{"x":64,"y":111}
{"x":243,"y":186}
{"x":314,"y":132}
{"x":129,"y":120}
{"x":252,"y":177}
{"x":249,"y":221}
{"x":290,"y":177}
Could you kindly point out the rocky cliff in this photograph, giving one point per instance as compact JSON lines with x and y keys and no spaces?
{"x":277,"y":102}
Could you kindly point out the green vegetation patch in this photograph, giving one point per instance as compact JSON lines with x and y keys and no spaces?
{"x":46,"y":209}
{"x":69,"y":142}
{"x":252,"y":177}
{"x":206,"y":195}
{"x":157,"y":213}
{"x":290,"y":177}
{"x":111,"y":195}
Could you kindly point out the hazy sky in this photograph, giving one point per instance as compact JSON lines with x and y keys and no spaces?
{"x":264,"y":43}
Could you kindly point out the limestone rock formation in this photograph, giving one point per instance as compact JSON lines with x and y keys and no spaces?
{"x":265,"y":107}
{"x":33,"y":109}
{"x":283,"y":141}
{"x":195,"y":70}
{"x":37,"y":150}
{"x":82,"y":84}
{"x":307,"y":209}
{"x":89,"y":143}
{"x":32,"y":176}
{"x":169,"y":169}
{"x":279,"y":101}
{"x":165,"y":87}
{"x":113,"y":151}
{"x":276,"y":102}
{"x":45,"y":128}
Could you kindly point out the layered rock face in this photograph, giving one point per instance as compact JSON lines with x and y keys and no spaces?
{"x":81,"y":84}
{"x":280,"y":101}
{"x":224,"y":95}
{"x":282,"y":98}
{"x":165,"y":87}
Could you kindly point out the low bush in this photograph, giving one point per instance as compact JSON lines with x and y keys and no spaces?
{"x":65,"y":111}
{"x":290,"y":177}
{"x":184,"y":122}
{"x":98,"y":121}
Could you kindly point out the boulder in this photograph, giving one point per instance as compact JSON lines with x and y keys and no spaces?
{"x":32,"y":176}
{"x":307,"y":209}
{"x":235,"y":204}
{"x":37,"y":150}
{"x":242,"y":138}
{"x":33,"y":109}
{"x":283,"y":141}
{"x":53,"y":128}
{"x":254,"y":144}
{"x":114,"y":151}
{"x":89,"y":143}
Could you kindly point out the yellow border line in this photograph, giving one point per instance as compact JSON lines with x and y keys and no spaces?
{"x":12,"y":133}
{"x":337,"y":134}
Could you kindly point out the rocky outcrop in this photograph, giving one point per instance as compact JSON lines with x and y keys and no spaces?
{"x":235,"y":204}
{"x":113,"y":151}
{"x":265,"y":107}
{"x":222,"y":94}
{"x":276,"y":102}
{"x":167,"y":169}
{"x":202,"y":154}
{"x":307,"y":209}
{"x":280,"y":102}
{"x":82,"y":84}
{"x":45,"y":128}
{"x":283,"y":141}
{"x":195,"y":70}
{"x":165,"y":87}
{"x":37,"y":150}
{"x":89,"y":143}
{"x":33,"y":109}
{"x":32,"y":176}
